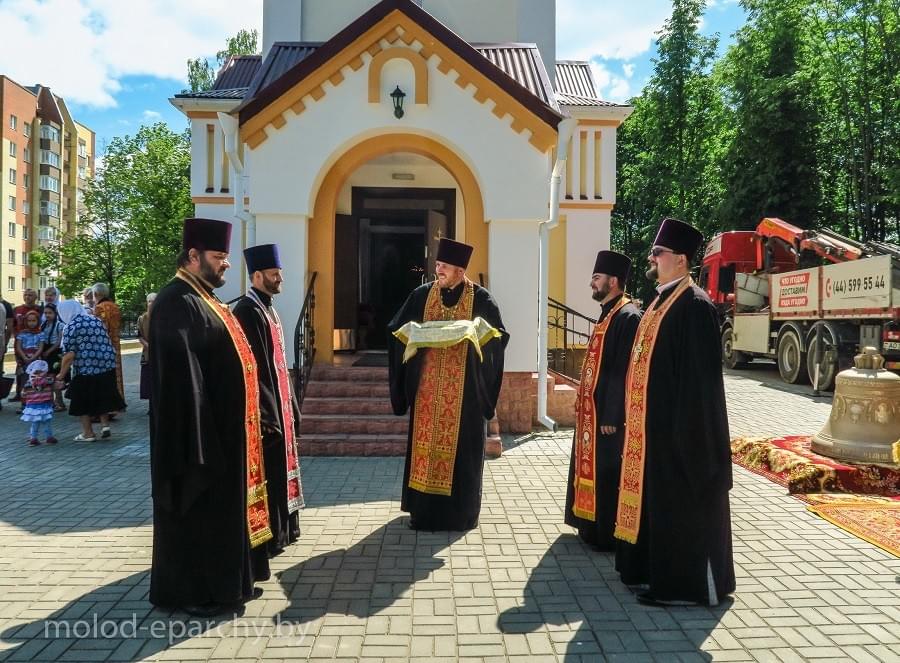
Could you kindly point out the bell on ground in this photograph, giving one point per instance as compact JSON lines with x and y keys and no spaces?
{"x":864,"y":424}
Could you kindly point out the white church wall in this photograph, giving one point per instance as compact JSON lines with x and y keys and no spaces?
{"x":513,"y":281}
{"x":289,"y":166}
{"x":587,"y":232}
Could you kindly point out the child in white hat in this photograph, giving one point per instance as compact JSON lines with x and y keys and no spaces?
{"x":38,"y":399}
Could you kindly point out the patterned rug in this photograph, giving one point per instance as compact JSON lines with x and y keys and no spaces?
{"x":876,"y":520}
{"x":861,"y":499}
{"x":789,"y":462}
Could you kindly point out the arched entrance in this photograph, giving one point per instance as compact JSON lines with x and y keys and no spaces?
{"x":322,"y":225}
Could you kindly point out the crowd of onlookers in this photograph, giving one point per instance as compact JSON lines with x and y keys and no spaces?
{"x":65,"y":350}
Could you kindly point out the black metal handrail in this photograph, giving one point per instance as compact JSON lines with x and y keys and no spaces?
{"x":568,"y":334}
{"x":305,"y":341}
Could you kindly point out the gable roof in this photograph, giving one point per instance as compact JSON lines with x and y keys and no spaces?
{"x":575,"y":86}
{"x":237,"y":72}
{"x":278,"y":83}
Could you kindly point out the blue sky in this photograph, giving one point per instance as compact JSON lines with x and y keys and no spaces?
{"x":122,"y":75}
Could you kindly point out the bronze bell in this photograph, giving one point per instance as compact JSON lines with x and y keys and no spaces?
{"x":864,"y":424}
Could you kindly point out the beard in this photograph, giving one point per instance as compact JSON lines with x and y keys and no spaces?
{"x":209,"y":274}
{"x":599,"y":295}
{"x":271,"y":286}
{"x":653,"y":273}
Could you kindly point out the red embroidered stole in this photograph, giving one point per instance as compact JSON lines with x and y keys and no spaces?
{"x":439,"y":400}
{"x":257,"y":498}
{"x":631,"y":484}
{"x":585,"y":502}
{"x":285,"y":400}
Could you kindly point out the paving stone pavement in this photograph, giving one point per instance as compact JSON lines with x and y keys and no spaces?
{"x":359,"y":586}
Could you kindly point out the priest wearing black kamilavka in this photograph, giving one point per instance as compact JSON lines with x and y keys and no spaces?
{"x":278,"y":410}
{"x":210,"y":518}
{"x":673,"y":512}
{"x":596,"y":461}
{"x":448,"y":376}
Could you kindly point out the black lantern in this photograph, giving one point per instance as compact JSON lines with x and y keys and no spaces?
{"x":398,"y":96}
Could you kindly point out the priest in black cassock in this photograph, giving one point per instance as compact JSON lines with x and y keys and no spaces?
{"x":278,"y":409}
{"x":206,"y":467}
{"x":596,"y":462}
{"x":450,"y":388}
{"x":673,"y":510}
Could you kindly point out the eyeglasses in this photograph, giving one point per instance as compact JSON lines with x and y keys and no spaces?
{"x":657,"y":251}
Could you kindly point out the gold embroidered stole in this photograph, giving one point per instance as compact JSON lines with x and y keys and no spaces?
{"x":257,"y":499}
{"x":585,"y":502}
{"x":439,"y":400}
{"x":631,"y":484}
{"x":285,"y":400}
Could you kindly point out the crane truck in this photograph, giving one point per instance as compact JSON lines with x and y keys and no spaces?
{"x":808,"y":299}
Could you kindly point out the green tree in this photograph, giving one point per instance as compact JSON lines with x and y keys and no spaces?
{"x":670,"y":147}
{"x":771,"y":162}
{"x":202,"y":75}
{"x":130,"y":233}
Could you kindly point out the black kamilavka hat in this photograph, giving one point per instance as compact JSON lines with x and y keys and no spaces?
{"x":678,"y":236}
{"x":207,"y":235}
{"x":613,"y":263}
{"x":262,"y":257}
{"x":454,"y":253}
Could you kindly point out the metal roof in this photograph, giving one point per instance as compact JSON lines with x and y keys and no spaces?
{"x":281,"y":57}
{"x":522,"y":63}
{"x":233,"y":93}
{"x":574,"y":78}
{"x":572,"y":100}
{"x":237,"y":72}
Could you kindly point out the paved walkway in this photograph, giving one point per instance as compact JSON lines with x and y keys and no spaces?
{"x":358,"y":586}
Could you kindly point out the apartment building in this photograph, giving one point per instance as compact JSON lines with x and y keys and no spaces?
{"x":46,"y":160}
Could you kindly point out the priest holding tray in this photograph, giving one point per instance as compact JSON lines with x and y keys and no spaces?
{"x":446,"y":368}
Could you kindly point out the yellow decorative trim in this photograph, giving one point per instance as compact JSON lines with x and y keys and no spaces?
{"x":299,"y":107}
{"x":599,"y":123}
{"x":574,"y":204}
{"x":202,"y":115}
{"x":278,"y":121}
{"x":210,"y":156}
{"x":401,"y":27}
{"x":420,"y":67}
{"x":321,"y":226}
{"x":336,"y":78}
{"x":212,"y":200}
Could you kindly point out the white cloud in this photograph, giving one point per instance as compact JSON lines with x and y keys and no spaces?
{"x":105,"y":40}
{"x":610,"y":29}
{"x":152,"y":116}
{"x":610,"y":86}
{"x":628,"y":69}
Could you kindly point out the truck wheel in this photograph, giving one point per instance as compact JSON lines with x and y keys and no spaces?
{"x":730,"y":357}
{"x":828,"y":369}
{"x":791,"y":360}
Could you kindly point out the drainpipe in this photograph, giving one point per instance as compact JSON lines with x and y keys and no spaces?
{"x":565,"y":130}
{"x":231,"y":129}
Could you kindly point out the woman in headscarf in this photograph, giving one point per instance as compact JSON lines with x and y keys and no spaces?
{"x":143,"y":325}
{"x":92,"y":391}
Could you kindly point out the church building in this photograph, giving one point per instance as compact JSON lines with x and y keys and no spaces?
{"x":367,"y":130}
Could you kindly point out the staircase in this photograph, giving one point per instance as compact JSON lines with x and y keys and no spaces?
{"x":347,"y":412}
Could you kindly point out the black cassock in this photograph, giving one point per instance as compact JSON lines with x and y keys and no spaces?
{"x":683,"y":548}
{"x":285,"y":526}
{"x":609,"y":399}
{"x":458,"y":511}
{"x":201,"y":544}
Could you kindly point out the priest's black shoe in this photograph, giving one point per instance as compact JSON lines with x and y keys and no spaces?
{"x":207,"y":610}
{"x":646,"y":598}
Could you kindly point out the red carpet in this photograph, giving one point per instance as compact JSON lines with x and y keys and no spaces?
{"x":861,"y":499}
{"x":789,"y":462}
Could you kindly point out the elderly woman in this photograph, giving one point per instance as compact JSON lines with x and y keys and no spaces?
{"x":88,"y":296}
{"x":92,"y":390}
{"x":108,"y":311}
{"x":143,"y":327}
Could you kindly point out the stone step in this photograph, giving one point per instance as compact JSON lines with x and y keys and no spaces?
{"x":347,"y":406}
{"x":352,"y":445}
{"x":344,"y":389}
{"x":348,"y":374}
{"x":315,"y":424}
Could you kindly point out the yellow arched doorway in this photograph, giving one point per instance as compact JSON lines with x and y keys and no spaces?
{"x":322,"y":225}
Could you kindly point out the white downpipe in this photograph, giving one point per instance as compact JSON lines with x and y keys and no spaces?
{"x":231,"y":129}
{"x":565,"y":129}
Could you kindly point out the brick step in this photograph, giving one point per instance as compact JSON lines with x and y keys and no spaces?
{"x":314,"y":424}
{"x":349,"y":374}
{"x":347,"y":406}
{"x":352,"y":445}
{"x":344,"y":389}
